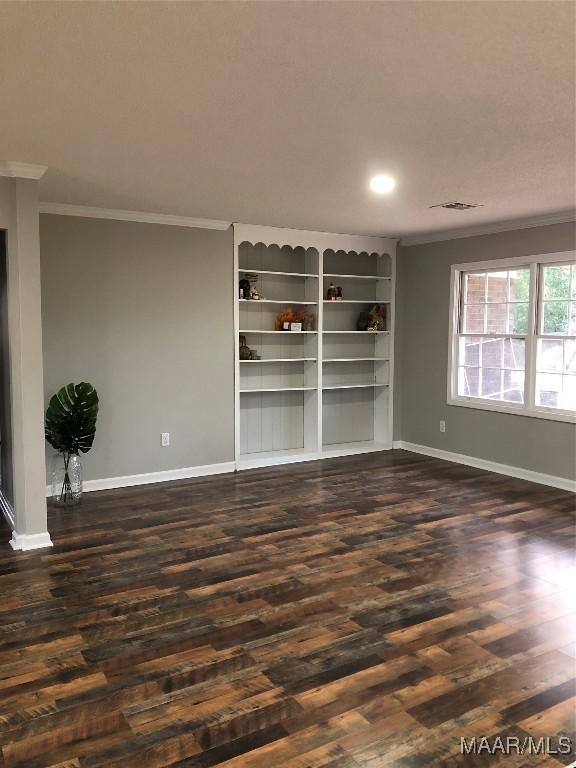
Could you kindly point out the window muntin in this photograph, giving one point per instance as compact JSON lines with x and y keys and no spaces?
{"x":514,"y":346}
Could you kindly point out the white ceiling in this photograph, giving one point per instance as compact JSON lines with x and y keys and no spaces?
{"x":278,"y":113}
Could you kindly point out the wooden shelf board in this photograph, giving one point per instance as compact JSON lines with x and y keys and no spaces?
{"x":356,"y":301}
{"x":349,"y":449}
{"x":364,"y":333}
{"x":270,"y":458}
{"x":355,"y":359}
{"x":283,"y":360}
{"x":277,"y":389}
{"x":292,"y":333}
{"x":273,"y":272}
{"x":357,"y":277}
{"x":352,"y":386}
{"x":276,"y":301}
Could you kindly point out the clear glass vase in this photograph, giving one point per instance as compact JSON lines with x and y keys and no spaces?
{"x":66,"y":479}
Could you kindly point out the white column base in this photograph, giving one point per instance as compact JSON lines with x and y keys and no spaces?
{"x":26,"y":541}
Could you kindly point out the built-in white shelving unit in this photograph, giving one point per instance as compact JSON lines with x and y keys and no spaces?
{"x":321,"y":392}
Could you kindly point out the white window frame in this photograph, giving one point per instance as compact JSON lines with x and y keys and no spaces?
{"x":529,"y":407}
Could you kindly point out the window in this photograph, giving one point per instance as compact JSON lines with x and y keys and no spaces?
{"x":513,"y":336}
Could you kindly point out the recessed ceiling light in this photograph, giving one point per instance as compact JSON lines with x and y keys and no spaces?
{"x":382,"y":184}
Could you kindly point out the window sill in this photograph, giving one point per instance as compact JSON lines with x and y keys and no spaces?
{"x":538,"y":413}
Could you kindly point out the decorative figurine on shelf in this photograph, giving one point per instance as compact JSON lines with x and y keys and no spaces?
{"x":338,"y":293}
{"x":303,"y":320}
{"x":377,"y":318}
{"x":362,"y":322}
{"x":254,"y":294}
{"x":331,"y":293}
{"x":244,"y":288}
{"x":308,"y":320}
{"x":245,"y":353}
{"x":248,"y":289}
{"x":282,"y":317}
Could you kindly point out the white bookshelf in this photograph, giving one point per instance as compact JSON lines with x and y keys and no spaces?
{"x":313,"y":393}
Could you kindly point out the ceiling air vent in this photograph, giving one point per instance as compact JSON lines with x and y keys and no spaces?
{"x":455,"y":206}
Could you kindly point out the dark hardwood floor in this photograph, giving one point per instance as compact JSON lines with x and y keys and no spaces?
{"x":351,"y":613}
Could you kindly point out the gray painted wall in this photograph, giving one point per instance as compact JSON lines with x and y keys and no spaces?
{"x":422,"y":359}
{"x":143,"y":312}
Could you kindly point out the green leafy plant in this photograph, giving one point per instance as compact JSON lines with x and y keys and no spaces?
{"x":70,"y":425}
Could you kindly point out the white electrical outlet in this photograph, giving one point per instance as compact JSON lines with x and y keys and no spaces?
{"x":442,"y":426}
{"x":165,"y":439}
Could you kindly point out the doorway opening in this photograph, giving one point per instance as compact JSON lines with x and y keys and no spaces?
{"x":6,"y":469}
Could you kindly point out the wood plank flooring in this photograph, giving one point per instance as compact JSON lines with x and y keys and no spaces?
{"x":351,"y":613}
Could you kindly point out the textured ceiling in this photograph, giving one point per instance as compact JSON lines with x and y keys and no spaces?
{"x":278,"y":113}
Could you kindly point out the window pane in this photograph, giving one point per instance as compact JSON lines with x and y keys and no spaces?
{"x":556,"y":282}
{"x":570,"y":356}
{"x":474,"y":319}
{"x":514,"y":353}
{"x":491,"y":384}
{"x":513,"y":386}
{"x":556,"y":317}
{"x":519,"y":285}
{"x":550,"y":354}
{"x":469,"y":351}
{"x":518,"y":319}
{"x":495,"y":307}
{"x":497,"y":318}
{"x":491,"y":353}
{"x":468,"y":379}
{"x":556,"y":391}
{"x":498,"y":286}
{"x":568,"y":402}
{"x":474,"y":288}
{"x":548,"y":389}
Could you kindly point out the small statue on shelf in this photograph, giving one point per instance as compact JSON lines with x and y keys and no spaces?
{"x":377,"y":318}
{"x":244,"y":288}
{"x":338,"y":293}
{"x":362,"y":322}
{"x":308,"y":320}
{"x":248,"y":289}
{"x":245,"y":353}
{"x":254,"y":294}
{"x":331,"y":293}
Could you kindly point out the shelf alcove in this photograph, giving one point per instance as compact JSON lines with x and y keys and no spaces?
{"x":325,"y":390}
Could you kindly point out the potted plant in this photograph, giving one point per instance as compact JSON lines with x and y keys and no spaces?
{"x":70,"y":427}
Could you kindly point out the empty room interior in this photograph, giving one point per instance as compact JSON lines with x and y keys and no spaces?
{"x":288,"y":383}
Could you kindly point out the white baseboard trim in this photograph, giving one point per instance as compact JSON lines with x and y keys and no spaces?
{"x":26,"y":541}
{"x":563,"y":483}
{"x":164,"y":476}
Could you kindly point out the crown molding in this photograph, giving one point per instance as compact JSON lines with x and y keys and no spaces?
{"x":559,"y":217}
{"x":15,"y":170}
{"x":87,"y":212}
